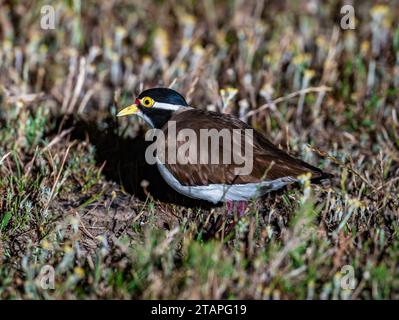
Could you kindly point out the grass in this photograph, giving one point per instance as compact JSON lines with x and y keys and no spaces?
{"x":78,"y":198}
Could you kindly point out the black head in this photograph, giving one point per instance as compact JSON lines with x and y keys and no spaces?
{"x":156,"y":106}
{"x":164,"y":95}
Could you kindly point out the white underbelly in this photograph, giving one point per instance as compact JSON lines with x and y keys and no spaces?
{"x":221,"y":192}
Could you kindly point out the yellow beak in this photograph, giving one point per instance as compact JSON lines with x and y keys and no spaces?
{"x":128,"y":110}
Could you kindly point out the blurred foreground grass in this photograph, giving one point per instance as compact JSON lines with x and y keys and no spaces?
{"x":284,"y":66}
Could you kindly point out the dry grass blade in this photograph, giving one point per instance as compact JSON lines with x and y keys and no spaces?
{"x":288,"y":97}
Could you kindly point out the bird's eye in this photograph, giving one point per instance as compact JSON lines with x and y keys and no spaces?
{"x":147,"y":102}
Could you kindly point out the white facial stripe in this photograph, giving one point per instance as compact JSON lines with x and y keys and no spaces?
{"x":166,"y":106}
{"x":145,"y":118}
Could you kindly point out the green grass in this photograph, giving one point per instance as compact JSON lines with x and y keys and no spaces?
{"x":69,"y":199}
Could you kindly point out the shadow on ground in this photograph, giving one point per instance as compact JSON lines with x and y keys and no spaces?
{"x":124,"y":161}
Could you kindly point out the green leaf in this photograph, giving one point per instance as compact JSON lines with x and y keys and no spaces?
{"x":5,"y":220}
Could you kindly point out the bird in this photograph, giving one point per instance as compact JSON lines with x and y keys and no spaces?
{"x":272,"y":168}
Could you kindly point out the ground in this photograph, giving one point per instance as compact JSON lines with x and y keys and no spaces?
{"x":83,"y":216}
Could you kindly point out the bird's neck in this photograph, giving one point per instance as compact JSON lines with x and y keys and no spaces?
{"x":157,"y":119}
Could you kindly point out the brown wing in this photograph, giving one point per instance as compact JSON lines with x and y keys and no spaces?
{"x":269,"y":162}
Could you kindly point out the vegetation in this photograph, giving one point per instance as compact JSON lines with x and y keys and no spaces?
{"x":76,"y":194}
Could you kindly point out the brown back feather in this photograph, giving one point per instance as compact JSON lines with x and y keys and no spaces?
{"x":269,"y":162}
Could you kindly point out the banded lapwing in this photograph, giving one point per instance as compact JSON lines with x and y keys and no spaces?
{"x":272,"y":168}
